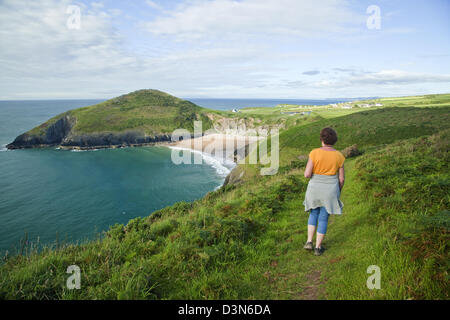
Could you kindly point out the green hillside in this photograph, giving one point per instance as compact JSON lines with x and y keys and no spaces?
{"x":367,"y":128}
{"x":138,"y":118}
{"x":244,"y":241}
{"x":150,"y":111}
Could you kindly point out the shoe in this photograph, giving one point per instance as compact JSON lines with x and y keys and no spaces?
{"x":319,"y":251}
{"x":308,"y":245}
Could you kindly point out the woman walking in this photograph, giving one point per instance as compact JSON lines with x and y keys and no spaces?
{"x":325,"y":167}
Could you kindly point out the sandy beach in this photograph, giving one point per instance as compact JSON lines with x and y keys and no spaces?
{"x":218,"y":145}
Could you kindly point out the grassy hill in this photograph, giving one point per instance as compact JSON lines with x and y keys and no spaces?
{"x":139,"y":117}
{"x":151,"y":111}
{"x":245,"y":240}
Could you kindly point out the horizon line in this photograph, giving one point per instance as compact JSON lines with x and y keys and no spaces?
{"x":234,"y":98}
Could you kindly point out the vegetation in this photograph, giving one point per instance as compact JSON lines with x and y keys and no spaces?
{"x":245,"y":240}
{"x":137,"y":118}
{"x":150,"y":111}
{"x":429,"y":100}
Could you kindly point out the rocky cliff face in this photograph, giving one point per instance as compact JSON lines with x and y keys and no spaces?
{"x":59,"y":130}
{"x":54,"y":134}
{"x":105,"y":139}
{"x":60,"y":133}
{"x":236,"y":125}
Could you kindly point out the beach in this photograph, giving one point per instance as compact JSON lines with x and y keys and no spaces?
{"x":218,"y":145}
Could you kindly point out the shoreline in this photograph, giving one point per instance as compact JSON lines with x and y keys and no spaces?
{"x":87,"y":148}
{"x":218,"y":150}
{"x":208,"y":159}
{"x":219,"y":143}
{"x":222,"y":166}
{"x":225,"y":144}
{"x":206,"y":140}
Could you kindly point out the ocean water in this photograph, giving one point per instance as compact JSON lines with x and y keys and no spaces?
{"x":50,"y":194}
{"x":71,"y":196}
{"x":229,"y":104}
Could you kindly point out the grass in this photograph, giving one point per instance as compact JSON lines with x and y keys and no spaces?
{"x":151,"y":112}
{"x":430,"y":100}
{"x":244,"y":241}
{"x":397,"y":220}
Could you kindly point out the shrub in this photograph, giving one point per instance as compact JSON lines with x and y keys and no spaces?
{"x":351,"y":151}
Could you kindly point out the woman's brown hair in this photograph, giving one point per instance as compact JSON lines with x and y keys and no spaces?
{"x":328,"y":136}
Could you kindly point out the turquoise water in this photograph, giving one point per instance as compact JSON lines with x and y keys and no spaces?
{"x":71,"y":196}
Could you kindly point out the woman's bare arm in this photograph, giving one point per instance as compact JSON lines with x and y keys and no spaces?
{"x":341,"y":177}
{"x":309,"y":169}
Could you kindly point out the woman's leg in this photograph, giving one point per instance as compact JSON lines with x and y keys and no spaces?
{"x":322,"y":226}
{"x":312,"y":223}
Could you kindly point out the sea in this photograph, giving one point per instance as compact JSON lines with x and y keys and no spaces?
{"x":52,"y":197}
{"x":229,"y":104}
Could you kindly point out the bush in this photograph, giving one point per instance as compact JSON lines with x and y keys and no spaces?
{"x":351,"y":151}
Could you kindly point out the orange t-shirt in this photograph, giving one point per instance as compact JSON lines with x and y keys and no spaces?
{"x":326,"y":162}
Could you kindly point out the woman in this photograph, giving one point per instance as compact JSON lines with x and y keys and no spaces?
{"x":325,"y":167}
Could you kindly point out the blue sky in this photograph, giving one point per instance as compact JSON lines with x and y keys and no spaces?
{"x":223,"y":48}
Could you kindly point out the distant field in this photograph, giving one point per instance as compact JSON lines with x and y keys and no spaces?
{"x":327,"y":111}
{"x":414,"y":101}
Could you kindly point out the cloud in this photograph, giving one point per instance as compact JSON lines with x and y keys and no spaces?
{"x":245,"y":48}
{"x":97,"y":5}
{"x":296,"y":84}
{"x":198,"y":19}
{"x":311,"y":73}
{"x":399,"y":77}
{"x":153,"y":4}
{"x":383,"y":78}
{"x":41,"y":57}
{"x":39,"y":40}
{"x":344,"y":69}
{"x":38,"y":47}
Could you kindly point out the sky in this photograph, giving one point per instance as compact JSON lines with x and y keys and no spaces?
{"x":299,"y":49}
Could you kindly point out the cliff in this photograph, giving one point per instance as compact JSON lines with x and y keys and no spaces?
{"x":138,"y":118}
